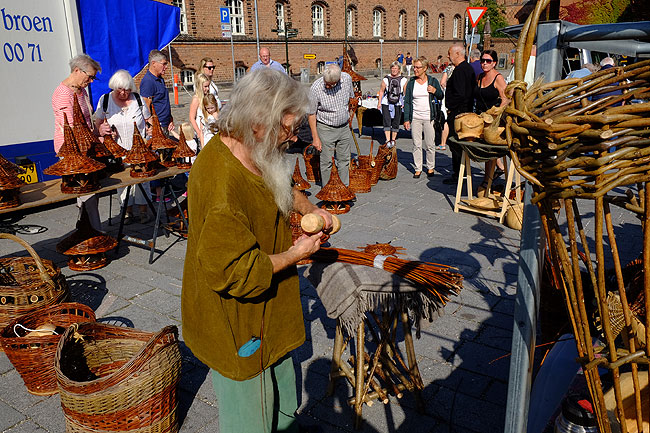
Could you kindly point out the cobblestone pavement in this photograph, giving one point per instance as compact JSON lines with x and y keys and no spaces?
{"x":462,"y":355}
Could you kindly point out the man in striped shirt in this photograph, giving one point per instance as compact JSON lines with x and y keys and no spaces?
{"x":328,"y":119}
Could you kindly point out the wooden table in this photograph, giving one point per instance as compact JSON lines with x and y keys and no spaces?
{"x":33,"y":196}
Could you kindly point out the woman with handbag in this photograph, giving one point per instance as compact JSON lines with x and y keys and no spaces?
{"x":421,"y":106}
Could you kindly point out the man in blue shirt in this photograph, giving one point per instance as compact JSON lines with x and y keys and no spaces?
{"x":154,"y":91}
{"x":266,"y":62}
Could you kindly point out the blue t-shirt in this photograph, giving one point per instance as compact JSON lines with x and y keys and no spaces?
{"x":154,"y":88}
{"x":400,"y":58}
{"x":272,"y":64}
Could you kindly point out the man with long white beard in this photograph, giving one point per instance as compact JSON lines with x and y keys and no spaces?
{"x":241,"y":298}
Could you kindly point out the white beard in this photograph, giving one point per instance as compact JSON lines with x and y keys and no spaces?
{"x":276,"y":172}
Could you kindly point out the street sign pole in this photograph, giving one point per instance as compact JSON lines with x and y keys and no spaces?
{"x":232,"y":56}
{"x":475,"y":14}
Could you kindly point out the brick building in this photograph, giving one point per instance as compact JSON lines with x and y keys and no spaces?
{"x":321,"y":27}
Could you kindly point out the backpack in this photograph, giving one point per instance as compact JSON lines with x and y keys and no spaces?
{"x":394,"y":89}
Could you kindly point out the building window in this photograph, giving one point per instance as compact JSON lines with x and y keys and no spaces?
{"x":240,"y":71}
{"x":187,"y":78}
{"x":401,"y":24}
{"x":317,"y":20}
{"x":183,"y":20}
{"x":422,"y":24}
{"x":376,"y":23}
{"x":350,"y":21}
{"x":457,"y":25}
{"x":236,"y":16}
{"x":441,"y":26}
{"x":320,"y":67}
{"x":279,"y":17}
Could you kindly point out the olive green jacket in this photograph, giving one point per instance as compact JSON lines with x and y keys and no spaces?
{"x":230,"y":293}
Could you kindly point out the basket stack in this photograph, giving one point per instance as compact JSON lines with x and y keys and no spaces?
{"x":79,"y":173}
{"x":182,"y":155}
{"x":312,"y":164}
{"x":32,"y":354}
{"x":298,"y":180}
{"x":590,"y":155}
{"x":118,"y":379}
{"x":335,"y":194}
{"x":141,"y":158}
{"x":28,"y":283}
{"x":86,"y":246}
{"x":160,"y":143}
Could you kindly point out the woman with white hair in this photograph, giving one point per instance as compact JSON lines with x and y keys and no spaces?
{"x":118,"y":112}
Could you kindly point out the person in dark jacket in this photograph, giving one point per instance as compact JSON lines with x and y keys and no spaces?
{"x":459,"y":98}
{"x":420,"y":110}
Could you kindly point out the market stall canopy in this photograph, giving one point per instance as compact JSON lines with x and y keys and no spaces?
{"x":120,"y":33}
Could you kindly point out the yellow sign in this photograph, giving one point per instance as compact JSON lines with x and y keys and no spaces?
{"x":309,"y":56}
{"x":30,"y":175}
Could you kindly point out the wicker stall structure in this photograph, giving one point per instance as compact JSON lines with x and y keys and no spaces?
{"x":182,"y":154}
{"x":114,"y":163}
{"x":28,"y":283}
{"x":30,"y":345}
{"x":10,"y":185}
{"x":114,"y":379}
{"x":584,"y":154}
{"x":79,"y":173}
{"x":160,"y":143}
{"x":312,"y":164}
{"x":298,"y":180}
{"x":140,"y":157}
{"x":335,"y":194}
{"x":86,"y":247}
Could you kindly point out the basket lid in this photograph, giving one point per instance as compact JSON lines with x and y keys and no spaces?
{"x":116,"y":150}
{"x":158,"y":139}
{"x":9,"y":180}
{"x":86,"y":140}
{"x":335,"y":190}
{"x":10,"y":167}
{"x":85,"y":239}
{"x":182,"y":149}
{"x":140,"y":152}
{"x":73,"y":162}
{"x":300,"y":182}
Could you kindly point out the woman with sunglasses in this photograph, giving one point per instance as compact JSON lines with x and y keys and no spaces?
{"x":490,"y":92}
{"x":207,"y":68}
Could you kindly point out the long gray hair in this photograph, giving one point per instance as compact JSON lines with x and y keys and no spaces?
{"x":262,"y":99}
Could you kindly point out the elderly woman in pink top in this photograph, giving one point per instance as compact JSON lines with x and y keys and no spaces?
{"x":83,"y":71}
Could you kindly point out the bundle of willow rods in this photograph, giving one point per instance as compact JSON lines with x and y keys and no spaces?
{"x":439,"y":280}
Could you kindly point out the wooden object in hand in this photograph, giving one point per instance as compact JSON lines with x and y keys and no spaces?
{"x":313,"y":223}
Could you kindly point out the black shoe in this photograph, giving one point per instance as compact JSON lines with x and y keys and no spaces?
{"x":430,"y":173}
{"x":417,"y":175}
{"x":451,"y":180}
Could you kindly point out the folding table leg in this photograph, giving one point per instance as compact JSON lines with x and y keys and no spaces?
{"x":161,"y":205}
{"x":464,"y":164}
{"x":506,"y":192}
{"x":122,"y":216}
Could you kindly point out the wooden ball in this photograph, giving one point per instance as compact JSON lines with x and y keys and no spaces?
{"x":312,"y":223}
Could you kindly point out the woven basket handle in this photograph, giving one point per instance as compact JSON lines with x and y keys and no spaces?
{"x":41,"y":268}
{"x":372,"y":158}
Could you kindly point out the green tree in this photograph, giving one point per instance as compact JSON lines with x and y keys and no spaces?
{"x":497,"y":14}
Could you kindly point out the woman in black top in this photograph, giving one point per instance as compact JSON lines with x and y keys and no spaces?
{"x":490,"y":92}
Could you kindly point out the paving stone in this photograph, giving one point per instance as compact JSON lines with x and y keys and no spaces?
{"x":5,"y":364}
{"x":9,"y":417}
{"x":48,"y":414}
{"x":159,"y":301}
{"x":25,"y":427}
{"x":195,"y":416}
{"x":14,"y":392}
{"x":482,"y":359}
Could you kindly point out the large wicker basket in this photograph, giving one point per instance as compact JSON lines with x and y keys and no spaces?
{"x":33,"y":357}
{"x":589,"y":155}
{"x":312,"y":163}
{"x":28,"y":283}
{"x":372,"y":163}
{"x":118,"y":379}
{"x":360,"y":178}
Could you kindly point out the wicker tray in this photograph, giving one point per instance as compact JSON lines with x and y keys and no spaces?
{"x":124,"y":379}
{"x":28,"y":283}
{"x":33,"y":357}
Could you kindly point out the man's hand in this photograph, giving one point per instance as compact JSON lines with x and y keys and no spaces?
{"x":170,"y":127}
{"x":317,"y":143}
{"x":407,"y":125}
{"x":305,"y":246}
{"x":326,"y":216}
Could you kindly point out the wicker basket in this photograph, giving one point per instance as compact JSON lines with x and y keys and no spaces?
{"x":389,"y":159}
{"x":33,"y":357}
{"x":372,"y":163}
{"x":118,"y":379}
{"x":584,"y":154}
{"x":360,"y":178}
{"x":312,"y":163}
{"x":28,"y":283}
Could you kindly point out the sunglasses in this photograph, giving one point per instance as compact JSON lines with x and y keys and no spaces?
{"x":209,"y":67}
{"x":488,"y":61}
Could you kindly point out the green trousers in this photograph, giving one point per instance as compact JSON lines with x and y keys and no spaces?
{"x":263,"y":404}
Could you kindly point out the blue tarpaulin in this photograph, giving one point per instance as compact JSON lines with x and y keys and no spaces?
{"x":120,"y":33}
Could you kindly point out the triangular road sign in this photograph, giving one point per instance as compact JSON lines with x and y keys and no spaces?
{"x":475,"y":14}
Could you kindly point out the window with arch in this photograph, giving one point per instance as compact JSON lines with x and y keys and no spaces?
{"x":183,"y":21}
{"x":279,"y":17}
{"x":376,"y":23}
{"x":457,"y":27}
{"x":236,"y":16}
{"x":441,"y":26}
{"x":318,"y":20}
{"x":422,"y":24}
{"x":350,"y":15}
{"x":401,"y":25}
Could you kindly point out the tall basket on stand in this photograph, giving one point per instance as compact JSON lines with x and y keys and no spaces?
{"x":587,"y":157}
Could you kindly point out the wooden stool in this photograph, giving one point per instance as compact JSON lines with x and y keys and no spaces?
{"x":383,"y":370}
